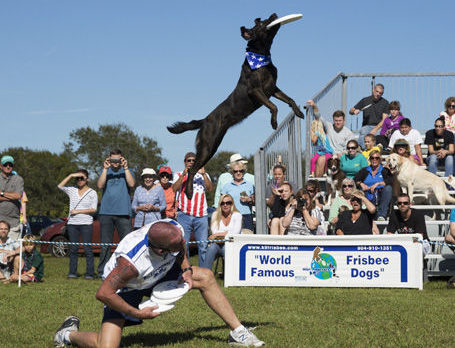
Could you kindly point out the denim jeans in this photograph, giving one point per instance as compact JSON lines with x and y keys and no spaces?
{"x":384,"y":198}
{"x":364,"y":131}
{"x":433,"y":161}
{"x":107,"y":223}
{"x":76,"y":233}
{"x":247,"y":222}
{"x":212,"y":252}
{"x":200,"y":227}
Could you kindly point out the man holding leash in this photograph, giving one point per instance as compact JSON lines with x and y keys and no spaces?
{"x":144,"y":258}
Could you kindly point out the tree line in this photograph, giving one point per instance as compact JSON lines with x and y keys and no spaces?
{"x":87,"y":148}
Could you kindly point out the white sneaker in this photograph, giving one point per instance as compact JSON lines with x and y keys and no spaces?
{"x":70,"y":324}
{"x":244,"y":338}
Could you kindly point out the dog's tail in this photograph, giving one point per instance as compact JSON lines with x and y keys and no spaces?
{"x":181,"y":127}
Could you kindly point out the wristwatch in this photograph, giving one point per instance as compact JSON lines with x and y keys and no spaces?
{"x":2,"y":193}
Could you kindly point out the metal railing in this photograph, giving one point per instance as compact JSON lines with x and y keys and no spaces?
{"x":421,"y":95}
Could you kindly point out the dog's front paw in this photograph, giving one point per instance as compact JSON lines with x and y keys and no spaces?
{"x":274,"y":123}
{"x":298,"y":112}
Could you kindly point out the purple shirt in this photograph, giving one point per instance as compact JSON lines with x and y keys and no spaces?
{"x":389,"y":124}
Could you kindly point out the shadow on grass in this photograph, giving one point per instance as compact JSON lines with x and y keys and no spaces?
{"x":166,"y":338}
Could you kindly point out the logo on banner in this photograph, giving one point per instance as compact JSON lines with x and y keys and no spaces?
{"x":323,"y":265}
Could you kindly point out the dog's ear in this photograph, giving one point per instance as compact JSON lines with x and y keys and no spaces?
{"x":246,"y":33}
{"x":257,"y":21}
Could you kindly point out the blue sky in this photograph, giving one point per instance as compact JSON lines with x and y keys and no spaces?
{"x":69,"y":64}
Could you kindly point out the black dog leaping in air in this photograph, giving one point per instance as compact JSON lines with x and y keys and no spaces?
{"x":256,"y":85}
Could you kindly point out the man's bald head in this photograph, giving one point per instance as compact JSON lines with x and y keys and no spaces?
{"x":165,"y":235}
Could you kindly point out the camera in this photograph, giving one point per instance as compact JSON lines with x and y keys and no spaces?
{"x":301,"y":202}
{"x":115,"y":160}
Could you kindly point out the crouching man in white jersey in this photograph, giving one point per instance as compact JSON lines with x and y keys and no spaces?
{"x":144,"y":258}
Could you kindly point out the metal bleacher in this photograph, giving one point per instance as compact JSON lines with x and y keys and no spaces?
{"x":422,"y":97}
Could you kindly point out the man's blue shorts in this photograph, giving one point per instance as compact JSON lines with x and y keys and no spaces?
{"x":134,"y":298}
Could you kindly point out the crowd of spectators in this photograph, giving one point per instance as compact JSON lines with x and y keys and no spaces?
{"x":396,"y":135}
{"x":368,"y":191}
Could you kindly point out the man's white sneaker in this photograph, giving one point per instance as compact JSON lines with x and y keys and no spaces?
{"x":70,"y":324}
{"x":244,"y":338}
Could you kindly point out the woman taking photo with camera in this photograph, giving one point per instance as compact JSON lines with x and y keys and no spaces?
{"x":280,"y":205}
{"x":303,"y":217}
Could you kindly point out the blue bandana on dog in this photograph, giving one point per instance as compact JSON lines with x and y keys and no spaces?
{"x":257,"y":61}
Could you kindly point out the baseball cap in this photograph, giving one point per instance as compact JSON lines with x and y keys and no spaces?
{"x":165,"y":169}
{"x":148,"y":171}
{"x":7,"y":158}
{"x":237,"y":157}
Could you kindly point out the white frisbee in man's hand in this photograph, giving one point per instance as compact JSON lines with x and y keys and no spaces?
{"x":161,"y":306}
{"x":167,"y":301}
{"x":285,"y":19}
{"x":170,"y":290}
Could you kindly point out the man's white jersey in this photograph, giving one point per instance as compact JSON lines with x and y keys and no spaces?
{"x":150,"y":266}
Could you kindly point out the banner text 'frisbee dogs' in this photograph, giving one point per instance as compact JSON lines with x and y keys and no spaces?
{"x":325,"y":261}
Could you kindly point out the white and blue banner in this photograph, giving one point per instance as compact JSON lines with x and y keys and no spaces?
{"x":388,"y":261}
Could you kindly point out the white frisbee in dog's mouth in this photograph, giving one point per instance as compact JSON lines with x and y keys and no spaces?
{"x":285,"y":19}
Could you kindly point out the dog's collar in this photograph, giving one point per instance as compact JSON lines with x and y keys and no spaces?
{"x":257,"y":61}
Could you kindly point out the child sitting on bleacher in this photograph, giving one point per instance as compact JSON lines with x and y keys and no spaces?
{"x":370,"y":145}
{"x":321,"y":148}
{"x":390,"y":124}
{"x":402,"y":148}
{"x":412,"y":136}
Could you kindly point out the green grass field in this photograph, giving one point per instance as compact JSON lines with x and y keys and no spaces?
{"x":285,"y":317}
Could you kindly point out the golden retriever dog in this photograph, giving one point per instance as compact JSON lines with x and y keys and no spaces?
{"x":415,"y":178}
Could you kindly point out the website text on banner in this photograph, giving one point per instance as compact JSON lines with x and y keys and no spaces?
{"x":389,"y":261}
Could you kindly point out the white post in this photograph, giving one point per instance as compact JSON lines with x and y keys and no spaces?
{"x":20,"y":263}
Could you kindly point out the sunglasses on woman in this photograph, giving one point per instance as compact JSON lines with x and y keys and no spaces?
{"x":226,"y":203}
